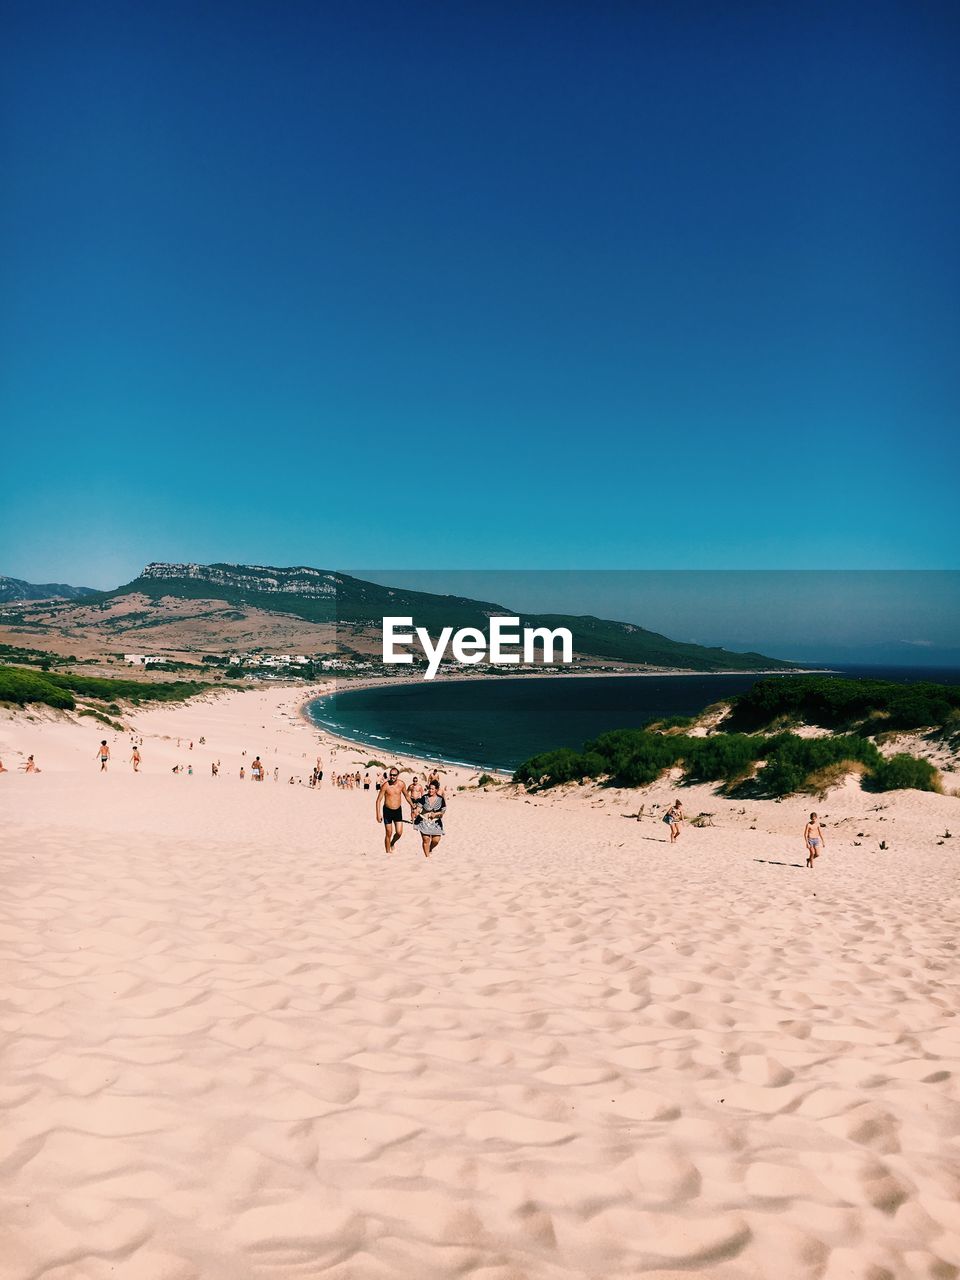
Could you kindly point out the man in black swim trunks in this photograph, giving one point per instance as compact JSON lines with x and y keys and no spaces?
{"x":389,"y":808}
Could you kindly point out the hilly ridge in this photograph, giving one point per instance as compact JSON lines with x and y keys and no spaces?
{"x":12,"y":589}
{"x":353,"y":605}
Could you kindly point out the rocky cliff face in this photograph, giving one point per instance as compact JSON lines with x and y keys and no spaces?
{"x":248,"y":578}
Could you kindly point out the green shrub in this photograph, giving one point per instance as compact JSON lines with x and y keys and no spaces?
{"x":833,"y":701}
{"x":54,"y":690}
{"x":903,"y":772}
{"x":722,"y":758}
{"x":21,"y":687}
{"x":554,"y":767}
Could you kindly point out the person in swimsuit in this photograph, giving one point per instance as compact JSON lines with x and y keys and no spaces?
{"x":30,"y":766}
{"x":429,"y":819}
{"x":103,"y":755}
{"x":813,"y":839}
{"x":135,"y":759}
{"x":390,"y":799}
{"x":415,"y":792}
{"x":675,"y":819}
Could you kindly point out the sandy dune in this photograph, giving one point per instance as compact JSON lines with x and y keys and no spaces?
{"x":240,"y":1043}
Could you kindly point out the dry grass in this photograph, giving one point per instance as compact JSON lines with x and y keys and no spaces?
{"x":823,"y":780}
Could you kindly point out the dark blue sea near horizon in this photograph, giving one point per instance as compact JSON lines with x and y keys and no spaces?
{"x":499,"y":722}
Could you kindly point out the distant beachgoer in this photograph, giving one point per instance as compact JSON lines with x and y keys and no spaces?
{"x":813,"y":839}
{"x":214,"y":768}
{"x":256,"y":770}
{"x":3,"y":768}
{"x":30,"y":766}
{"x":366,"y":782}
{"x":674,"y":817}
{"x":243,"y":773}
{"x":429,"y":819}
{"x":103,"y":755}
{"x":276,"y":773}
{"x":191,"y":744}
{"x":190,"y":770}
{"x":415,"y":792}
{"x":390,"y":808}
{"x":135,"y":759}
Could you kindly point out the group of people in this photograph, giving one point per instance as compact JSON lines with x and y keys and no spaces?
{"x":427,"y":803}
{"x":29,"y":766}
{"x":427,"y":808}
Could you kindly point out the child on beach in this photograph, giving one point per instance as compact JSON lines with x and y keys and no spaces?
{"x":813,"y":839}
{"x":674,"y":816}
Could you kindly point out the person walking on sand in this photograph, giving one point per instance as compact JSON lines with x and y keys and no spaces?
{"x":30,"y":766}
{"x":135,"y":759}
{"x":103,"y":755}
{"x":429,"y":819}
{"x":813,"y":839}
{"x":674,"y":817}
{"x":415,"y":792}
{"x":390,"y":799}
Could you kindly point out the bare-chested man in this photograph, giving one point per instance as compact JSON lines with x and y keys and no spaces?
{"x":390,"y":808}
{"x":103,"y":755}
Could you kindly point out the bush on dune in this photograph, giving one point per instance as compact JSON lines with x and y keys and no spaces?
{"x":21,"y":686}
{"x":903,"y":772}
{"x":556,"y":767}
{"x":788,"y":763}
{"x":832,"y":702}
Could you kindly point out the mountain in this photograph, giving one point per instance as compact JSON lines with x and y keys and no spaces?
{"x":356,"y":607}
{"x":16,"y":589}
{"x":891,"y":653}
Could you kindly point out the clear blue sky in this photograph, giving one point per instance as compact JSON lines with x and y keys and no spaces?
{"x":612,"y":285}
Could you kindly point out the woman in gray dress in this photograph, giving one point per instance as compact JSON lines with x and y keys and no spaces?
{"x":429,"y":822}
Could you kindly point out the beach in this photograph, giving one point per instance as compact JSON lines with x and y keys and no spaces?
{"x":239,"y":1042}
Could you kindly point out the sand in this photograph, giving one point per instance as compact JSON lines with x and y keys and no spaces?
{"x":239,"y":1042}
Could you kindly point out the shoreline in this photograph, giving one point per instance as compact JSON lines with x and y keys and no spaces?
{"x":429,"y":758}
